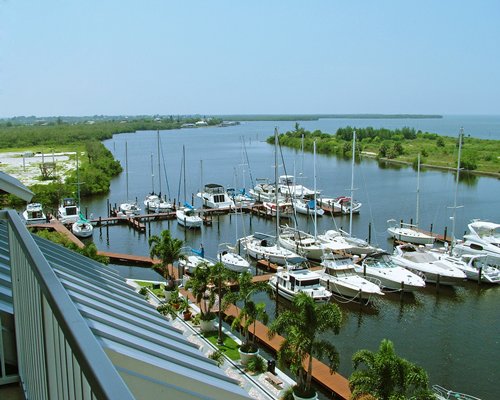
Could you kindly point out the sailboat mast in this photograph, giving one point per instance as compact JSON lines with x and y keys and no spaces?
{"x":159,"y":159}
{"x":77,"y":179}
{"x":314,"y":174}
{"x":152,"y":176}
{"x":184,"y":169}
{"x":276,"y":184}
{"x":460,"y":135}
{"x":126,"y":168}
{"x":352,"y":180}
{"x":418,"y":191}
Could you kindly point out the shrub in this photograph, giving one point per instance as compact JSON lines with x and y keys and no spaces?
{"x":257,"y":364}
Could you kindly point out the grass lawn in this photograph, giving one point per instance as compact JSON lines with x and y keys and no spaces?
{"x":229,"y":348}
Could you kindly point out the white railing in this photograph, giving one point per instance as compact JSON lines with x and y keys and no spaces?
{"x":58,"y":355}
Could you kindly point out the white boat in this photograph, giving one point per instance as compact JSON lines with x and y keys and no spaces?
{"x":445,"y":394}
{"x":68,"y":212}
{"x":193,"y":259}
{"x":288,"y":188}
{"x":240,"y":198}
{"x":264,"y":247}
{"x":408,"y":233}
{"x":130,"y":209}
{"x":187,"y":217}
{"x":215,"y":196}
{"x":296,"y":278}
{"x":82,"y":227}
{"x":34,"y":214}
{"x":430,"y":265}
{"x":263,"y":191}
{"x":341,"y":242}
{"x":339,"y":276}
{"x":483,"y":238}
{"x":303,"y":243}
{"x":308,"y":207}
{"x":231,"y":259}
{"x":477,"y":267}
{"x":154,"y":202}
{"x":342,"y":203}
{"x":284,"y":209}
{"x":390,"y":275}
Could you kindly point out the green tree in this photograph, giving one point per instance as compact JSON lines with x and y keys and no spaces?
{"x":250,"y":312}
{"x":168,"y":250}
{"x":302,"y":327}
{"x":387,"y":376}
{"x":200,"y":284}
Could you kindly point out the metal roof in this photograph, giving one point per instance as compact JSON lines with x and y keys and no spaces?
{"x":9,"y":184}
{"x":139,"y":341}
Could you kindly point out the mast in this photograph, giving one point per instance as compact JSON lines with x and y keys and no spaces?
{"x":184,"y":169}
{"x":159,"y":159}
{"x":126,"y":168}
{"x":314,"y":173}
{"x":418,"y":191}
{"x":276,"y":184}
{"x":152,"y":176}
{"x":460,"y":135}
{"x":77,"y":179}
{"x":352,"y":180}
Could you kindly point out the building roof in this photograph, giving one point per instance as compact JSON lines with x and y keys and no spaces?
{"x":152,"y":356}
{"x":9,"y":184}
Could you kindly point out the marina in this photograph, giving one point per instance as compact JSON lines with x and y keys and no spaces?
{"x":456,"y":313}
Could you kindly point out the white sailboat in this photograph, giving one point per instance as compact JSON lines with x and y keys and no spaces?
{"x":186,"y":216}
{"x":409,"y":232}
{"x":128,"y":208}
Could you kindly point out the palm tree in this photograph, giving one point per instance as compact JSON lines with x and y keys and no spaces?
{"x":200,"y":283}
{"x":250,"y":311}
{"x":220,"y":277}
{"x":387,"y":376}
{"x":168,"y":250}
{"x":302,"y":327}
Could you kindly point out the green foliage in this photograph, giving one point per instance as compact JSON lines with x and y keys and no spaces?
{"x":229,"y":347}
{"x":167,"y":249}
{"x":387,"y":376}
{"x":217,"y":356}
{"x":256,"y":364}
{"x":303,"y":327}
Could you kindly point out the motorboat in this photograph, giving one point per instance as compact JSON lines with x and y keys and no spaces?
{"x":342,"y":242}
{"x":477,"y":267}
{"x":296,"y":278}
{"x":432,"y":266}
{"x":33,"y":214}
{"x":441,"y":393}
{"x":130,"y":209}
{"x":408,"y":233}
{"x":265,"y":247}
{"x":68,"y":212}
{"x":215,"y":196}
{"x":483,"y":238}
{"x":303,"y":243}
{"x":231,"y":259}
{"x":240,"y":197}
{"x":82,"y":228}
{"x":271,"y":208}
{"x":288,"y":188}
{"x":154,"y":202}
{"x":308,"y":207}
{"x":187,"y":217}
{"x":339,"y":276}
{"x":263,"y":191}
{"x":344,"y":204}
{"x":390,"y":275}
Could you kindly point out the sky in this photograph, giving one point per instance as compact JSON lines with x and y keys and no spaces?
{"x":124,"y":57}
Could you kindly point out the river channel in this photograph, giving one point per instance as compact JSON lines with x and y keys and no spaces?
{"x":453,"y":333}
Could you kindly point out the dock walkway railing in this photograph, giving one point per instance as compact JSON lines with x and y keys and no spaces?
{"x":58,"y":355}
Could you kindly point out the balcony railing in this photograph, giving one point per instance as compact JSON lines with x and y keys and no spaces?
{"x":58,"y":355}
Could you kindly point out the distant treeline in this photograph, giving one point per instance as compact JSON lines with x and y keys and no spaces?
{"x":400,"y":144}
{"x":314,"y":117}
{"x":59,"y":132}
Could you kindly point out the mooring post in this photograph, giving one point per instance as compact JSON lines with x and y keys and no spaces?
{"x":437,"y":282}
{"x":107,"y":207}
{"x":401,"y":223}
{"x":86,"y":212}
{"x":431,"y":228}
{"x":480,"y":275}
{"x":402,"y":290}
{"x":445,"y":233}
{"x":277,"y":295}
{"x":411,"y":221}
{"x":369,"y":232}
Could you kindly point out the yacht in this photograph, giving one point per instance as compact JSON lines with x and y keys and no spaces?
{"x":342,"y":241}
{"x":390,"y":275}
{"x":295,"y":278}
{"x":215,"y":196}
{"x":344,"y":204}
{"x":483,"y":238}
{"x":156,"y":203}
{"x":303,"y":243}
{"x":339,"y":276}
{"x":263,"y":191}
{"x":478,"y":267}
{"x":34,"y":214}
{"x":308,"y":207}
{"x":129,"y":209}
{"x":288,"y":187}
{"x":68,"y":212}
{"x":430,"y":265}
{"x":408,"y":233}
{"x":265,"y":247}
{"x":285,"y":209}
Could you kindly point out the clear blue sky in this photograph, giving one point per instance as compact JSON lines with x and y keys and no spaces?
{"x":69,"y":57}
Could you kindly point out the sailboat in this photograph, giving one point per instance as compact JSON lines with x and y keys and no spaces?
{"x":186,"y":216}
{"x":266,"y":247}
{"x":128,"y":208}
{"x":81,"y":227}
{"x":155,"y":202}
{"x":409,"y":232}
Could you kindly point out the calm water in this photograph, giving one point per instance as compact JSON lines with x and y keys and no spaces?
{"x":453,"y":334}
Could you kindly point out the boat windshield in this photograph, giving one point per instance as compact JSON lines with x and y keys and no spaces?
{"x":308,"y":282}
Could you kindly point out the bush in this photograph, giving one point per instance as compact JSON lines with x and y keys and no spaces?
{"x":257,"y":364}
{"x":218,"y":357}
